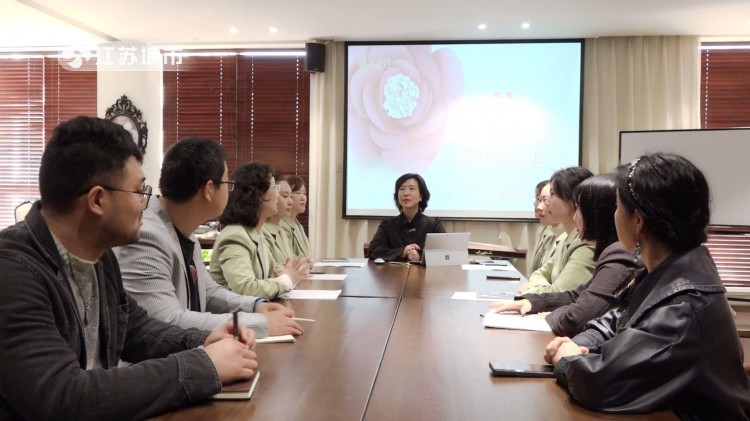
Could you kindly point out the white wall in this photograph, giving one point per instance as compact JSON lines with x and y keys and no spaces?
{"x":144,"y":89}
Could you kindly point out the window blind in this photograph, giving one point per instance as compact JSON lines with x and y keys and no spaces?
{"x":36,"y":94}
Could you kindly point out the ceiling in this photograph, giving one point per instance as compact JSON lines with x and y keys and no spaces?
{"x":27,"y":23}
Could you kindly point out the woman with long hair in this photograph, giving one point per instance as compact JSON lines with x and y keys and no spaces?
{"x":595,"y":200}
{"x":572,"y":263}
{"x":672,"y":343}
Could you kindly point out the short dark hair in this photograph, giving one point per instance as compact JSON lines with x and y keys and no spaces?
{"x":82,"y":152}
{"x":188,"y":165}
{"x":564,"y":181}
{"x":596,"y":198}
{"x":295,"y":182}
{"x":423,"y":191}
{"x":672,"y":196}
{"x":251,"y":182}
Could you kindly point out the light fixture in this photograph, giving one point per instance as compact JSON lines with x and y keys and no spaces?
{"x":525,"y":25}
{"x":232,"y":30}
{"x":273,"y":30}
{"x":482,"y":26}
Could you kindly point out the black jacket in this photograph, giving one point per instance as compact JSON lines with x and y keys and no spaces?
{"x":42,"y":348}
{"x":673,"y":345}
{"x":397,"y":232}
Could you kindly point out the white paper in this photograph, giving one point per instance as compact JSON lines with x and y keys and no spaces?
{"x":483,"y":267}
{"x":473,"y":296}
{"x":276,"y":339}
{"x":340,"y":264}
{"x":313,"y":294}
{"x":516,"y":321}
{"x":327,"y":276}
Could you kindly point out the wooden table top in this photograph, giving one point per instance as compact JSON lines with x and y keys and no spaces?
{"x":373,"y":280}
{"x":436,"y":367}
{"x":327,"y":374}
{"x":394,"y":346}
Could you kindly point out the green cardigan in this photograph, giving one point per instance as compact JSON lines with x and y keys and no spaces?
{"x":242,"y":261}
{"x":571,"y":266}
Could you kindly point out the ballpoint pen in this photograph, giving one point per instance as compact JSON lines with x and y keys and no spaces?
{"x":236,"y":325}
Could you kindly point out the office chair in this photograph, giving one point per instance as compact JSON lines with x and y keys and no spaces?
{"x":22,"y":210}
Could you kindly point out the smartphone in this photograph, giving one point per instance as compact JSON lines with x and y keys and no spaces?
{"x":504,"y":277}
{"x":522,"y":370}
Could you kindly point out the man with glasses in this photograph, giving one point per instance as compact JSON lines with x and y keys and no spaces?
{"x":164,"y":272}
{"x":65,"y":319}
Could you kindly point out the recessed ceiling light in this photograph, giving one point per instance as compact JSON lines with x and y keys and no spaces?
{"x":482,"y":26}
{"x":232,"y":30}
{"x":273,"y":30}
{"x":525,"y":25}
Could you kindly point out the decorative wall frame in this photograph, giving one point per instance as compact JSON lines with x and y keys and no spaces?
{"x":124,"y":113}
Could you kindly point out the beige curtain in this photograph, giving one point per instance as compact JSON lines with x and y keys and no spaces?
{"x":637,"y":83}
{"x":630,"y":83}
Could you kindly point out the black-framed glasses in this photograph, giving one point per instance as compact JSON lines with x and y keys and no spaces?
{"x":145,"y":192}
{"x":230,"y":184}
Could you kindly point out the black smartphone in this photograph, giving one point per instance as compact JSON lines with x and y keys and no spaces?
{"x":522,"y":370}
{"x":504,"y":277}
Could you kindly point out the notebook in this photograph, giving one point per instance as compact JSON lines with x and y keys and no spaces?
{"x":239,"y":390}
{"x":446,"y":249}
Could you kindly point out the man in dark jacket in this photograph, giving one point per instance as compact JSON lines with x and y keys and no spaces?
{"x":65,"y":320}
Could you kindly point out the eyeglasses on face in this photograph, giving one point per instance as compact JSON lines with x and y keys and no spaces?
{"x":145,"y":192}
{"x":230,"y":184}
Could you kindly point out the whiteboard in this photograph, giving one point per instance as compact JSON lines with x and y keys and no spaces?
{"x":723,"y":155}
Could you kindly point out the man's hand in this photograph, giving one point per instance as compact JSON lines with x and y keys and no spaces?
{"x":269,"y":307}
{"x":521,"y":306}
{"x":560,"y":347}
{"x":246,"y":336}
{"x":233,"y":359}
{"x":281,"y":324}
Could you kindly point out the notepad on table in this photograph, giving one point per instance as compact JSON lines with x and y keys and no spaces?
{"x":340,"y":264}
{"x":239,"y":390}
{"x":469,"y":266}
{"x":474,"y":296}
{"x":516,"y":321}
{"x":313,"y":294}
{"x":276,"y":339}
{"x":328,"y":276}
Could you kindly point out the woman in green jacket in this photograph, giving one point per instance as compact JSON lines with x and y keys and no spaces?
{"x":242,"y":259}
{"x":573,"y":261}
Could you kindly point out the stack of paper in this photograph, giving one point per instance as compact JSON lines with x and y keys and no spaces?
{"x":516,"y":321}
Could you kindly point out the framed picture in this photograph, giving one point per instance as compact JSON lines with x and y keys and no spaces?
{"x":124,"y":113}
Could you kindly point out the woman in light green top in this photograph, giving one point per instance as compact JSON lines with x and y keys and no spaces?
{"x":242,"y":259}
{"x":281,"y":248}
{"x":572,"y":263}
{"x":291,"y":226}
{"x":548,"y":232}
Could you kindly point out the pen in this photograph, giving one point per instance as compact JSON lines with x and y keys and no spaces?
{"x":302,"y":319}
{"x":236,"y":325}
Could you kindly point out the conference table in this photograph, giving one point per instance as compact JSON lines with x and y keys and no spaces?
{"x":395,"y":346}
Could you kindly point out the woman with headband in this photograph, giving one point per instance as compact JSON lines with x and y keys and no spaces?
{"x":673,"y":342}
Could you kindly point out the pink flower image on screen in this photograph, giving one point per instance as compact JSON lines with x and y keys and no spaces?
{"x":398,"y":102}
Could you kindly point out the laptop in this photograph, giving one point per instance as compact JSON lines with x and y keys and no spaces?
{"x":446,"y":249}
